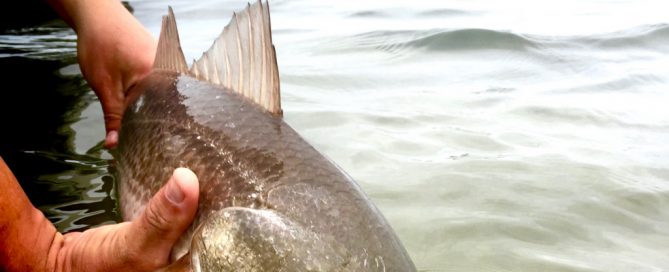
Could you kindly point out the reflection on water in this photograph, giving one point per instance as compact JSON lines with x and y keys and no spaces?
{"x":494,"y":136}
{"x":73,"y":189}
{"x":79,"y":194}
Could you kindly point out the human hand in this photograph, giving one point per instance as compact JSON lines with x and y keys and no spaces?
{"x":29,"y":242}
{"x":115,"y":51}
{"x":141,"y":245}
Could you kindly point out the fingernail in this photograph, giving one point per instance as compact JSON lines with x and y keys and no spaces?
{"x":174,"y":193}
{"x":112,"y":137}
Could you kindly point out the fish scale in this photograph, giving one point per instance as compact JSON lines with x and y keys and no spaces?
{"x":269,"y":201}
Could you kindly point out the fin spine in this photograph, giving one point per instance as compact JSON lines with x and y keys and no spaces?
{"x":243,"y":58}
{"x":169,"y":55}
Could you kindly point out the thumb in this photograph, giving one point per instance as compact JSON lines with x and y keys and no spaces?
{"x":167,"y":216}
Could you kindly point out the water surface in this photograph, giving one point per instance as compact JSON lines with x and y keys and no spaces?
{"x":514,"y":136}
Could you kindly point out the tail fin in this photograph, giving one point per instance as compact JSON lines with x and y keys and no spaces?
{"x":242,"y":58}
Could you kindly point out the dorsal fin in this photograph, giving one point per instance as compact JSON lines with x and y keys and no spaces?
{"x":169,"y":55}
{"x":243,"y":58}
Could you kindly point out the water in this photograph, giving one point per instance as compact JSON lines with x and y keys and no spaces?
{"x":494,"y":136}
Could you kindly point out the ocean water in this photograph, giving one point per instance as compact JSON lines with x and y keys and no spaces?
{"x":493,"y":135}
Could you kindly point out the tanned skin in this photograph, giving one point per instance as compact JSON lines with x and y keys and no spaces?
{"x":115,"y":51}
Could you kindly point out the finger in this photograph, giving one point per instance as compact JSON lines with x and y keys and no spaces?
{"x":108,"y":88}
{"x":168,"y":214}
{"x":111,"y":140}
{"x":112,"y":109}
{"x":113,"y":117}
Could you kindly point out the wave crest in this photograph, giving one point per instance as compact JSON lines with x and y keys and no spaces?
{"x":445,"y":40}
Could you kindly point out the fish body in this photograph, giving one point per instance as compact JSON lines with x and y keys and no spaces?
{"x":269,"y":201}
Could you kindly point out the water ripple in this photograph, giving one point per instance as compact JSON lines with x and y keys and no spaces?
{"x":39,"y":42}
{"x":647,"y":36}
{"x":445,"y":40}
{"x":456,"y":40}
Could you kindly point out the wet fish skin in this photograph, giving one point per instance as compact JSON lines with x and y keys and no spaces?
{"x":269,"y":201}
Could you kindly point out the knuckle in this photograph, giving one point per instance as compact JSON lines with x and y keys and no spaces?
{"x":156,"y":220}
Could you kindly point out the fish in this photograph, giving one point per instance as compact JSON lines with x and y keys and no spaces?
{"x":269,"y":201}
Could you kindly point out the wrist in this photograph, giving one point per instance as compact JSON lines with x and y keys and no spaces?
{"x":26,"y":236}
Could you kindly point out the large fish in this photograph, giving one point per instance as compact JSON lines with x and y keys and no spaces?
{"x":269,"y":201}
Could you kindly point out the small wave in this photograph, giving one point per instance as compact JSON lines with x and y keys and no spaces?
{"x":446,"y":40}
{"x":628,"y":82}
{"x":387,"y":13}
{"x":443,"y":12}
{"x":646,"y":37}
{"x":565,"y":115}
{"x":578,"y":116}
{"x":655,"y":37}
{"x":473,"y":39}
{"x":369,"y":14}
{"x":643,"y":36}
{"x":40,"y":42}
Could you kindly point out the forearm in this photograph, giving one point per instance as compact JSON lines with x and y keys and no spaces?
{"x":28,"y":240}
{"x":81,"y":13}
